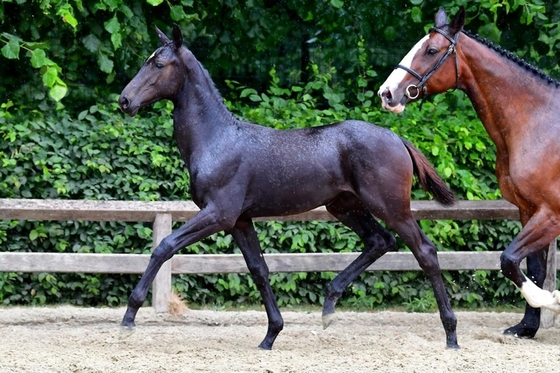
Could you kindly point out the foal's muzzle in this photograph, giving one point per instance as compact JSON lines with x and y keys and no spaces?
{"x":125,"y":106}
{"x":124,"y":103}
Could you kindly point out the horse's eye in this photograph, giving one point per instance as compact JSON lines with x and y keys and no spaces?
{"x":159,"y":65}
{"x":431,"y":52}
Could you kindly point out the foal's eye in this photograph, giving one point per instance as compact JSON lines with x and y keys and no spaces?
{"x":431,"y":51}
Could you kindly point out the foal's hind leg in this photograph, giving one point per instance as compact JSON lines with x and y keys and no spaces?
{"x":425,"y":253}
{"x":247,"y":240}
{"x":377,"y":241}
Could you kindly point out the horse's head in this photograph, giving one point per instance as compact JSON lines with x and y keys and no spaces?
{"x":429,"y":67}
{"x":161,"y":76}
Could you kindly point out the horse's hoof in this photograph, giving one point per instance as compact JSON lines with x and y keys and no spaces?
{"x":520,"y":331}
{"x":328,"y":320}
{"x":126,"y":331}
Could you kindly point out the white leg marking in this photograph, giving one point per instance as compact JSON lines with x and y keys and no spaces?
{"x":539,"y":298}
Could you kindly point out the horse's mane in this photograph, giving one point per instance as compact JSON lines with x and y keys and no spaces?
{"x":214,"y":93}
{"x":512,"y":57}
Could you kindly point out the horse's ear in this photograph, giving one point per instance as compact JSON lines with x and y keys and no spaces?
{"x":162,"y":37}
{"x":441,"y":18}
{"x":458,"y":21}
{"x":177,"y":37}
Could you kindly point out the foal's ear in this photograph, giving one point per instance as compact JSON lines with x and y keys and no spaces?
{"x":458,"y":21}
{"x":162,"y":37}
{"x":177,"y":37}
{"x":441,"y":18}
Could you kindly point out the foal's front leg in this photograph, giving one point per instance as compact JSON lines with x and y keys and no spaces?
{"x":247,"y":240}
{"x":205,"y":223}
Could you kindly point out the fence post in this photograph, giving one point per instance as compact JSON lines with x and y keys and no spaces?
{"x":548,"y":317}
{"x":161,"y":287}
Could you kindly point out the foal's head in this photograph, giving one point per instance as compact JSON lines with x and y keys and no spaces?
{"x":161,"y":76}
{"x":429,"y":67}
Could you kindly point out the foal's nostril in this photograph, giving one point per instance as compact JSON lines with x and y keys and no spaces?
{"x":123,"y":102}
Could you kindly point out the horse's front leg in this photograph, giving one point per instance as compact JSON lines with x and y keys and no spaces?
{"x":531,"y":243}
{"x":203,"y":224}
{"x":530,"y":323}
{"x":247,"y":239}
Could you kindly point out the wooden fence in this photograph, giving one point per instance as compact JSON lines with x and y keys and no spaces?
{"x":162,"y":214}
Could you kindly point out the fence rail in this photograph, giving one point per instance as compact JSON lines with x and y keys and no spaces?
{"x":163,"y":214}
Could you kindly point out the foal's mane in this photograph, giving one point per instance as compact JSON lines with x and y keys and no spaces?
{"x":213,"y":93}
{"x":512,"y":57}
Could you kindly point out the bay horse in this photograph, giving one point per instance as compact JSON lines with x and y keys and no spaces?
{"x":240,"y":171}
{"x":518,"y":105}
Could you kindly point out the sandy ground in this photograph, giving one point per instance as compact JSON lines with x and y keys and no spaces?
{"x":70,"y":339}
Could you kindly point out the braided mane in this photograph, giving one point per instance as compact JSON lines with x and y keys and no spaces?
{"x":512,"y":57}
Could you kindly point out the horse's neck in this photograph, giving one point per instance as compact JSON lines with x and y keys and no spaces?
{"x":504,"y":94}
{"x":200,"y":115}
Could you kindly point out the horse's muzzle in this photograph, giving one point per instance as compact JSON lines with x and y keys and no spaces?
{"x":389,"y":103}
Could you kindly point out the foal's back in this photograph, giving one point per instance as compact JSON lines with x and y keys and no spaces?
{"x":306,"y":168}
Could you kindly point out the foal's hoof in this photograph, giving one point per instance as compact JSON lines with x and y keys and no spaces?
{"x":126,"y":331}
{"x":328,"y":320}
{"x":264,"y":347}
{"x":453,"y":346}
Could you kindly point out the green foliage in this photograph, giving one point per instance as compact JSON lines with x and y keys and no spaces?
{"x":87,"y":49}
{"x":285,"y":64}
{"x":101,"y":154}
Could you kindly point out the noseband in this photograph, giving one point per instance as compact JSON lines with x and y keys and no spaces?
{"x":421,"y":86}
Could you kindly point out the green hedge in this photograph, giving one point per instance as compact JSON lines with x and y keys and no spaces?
{"x":102,"y":154}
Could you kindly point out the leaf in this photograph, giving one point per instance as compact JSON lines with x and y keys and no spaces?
{"x":155,"y":2}
{"x":105,"y":64}
{"x":67,"y":14}
{"x":58,"y":92}
{"x":91,"y":42}
{"x":112,"y":25}
{"x":337,"y":3}
{"x":33,"y":235}
{"x":38,"y":58}
{"x":248,"y":91}
{"x":116,"y":39}
{"x":177,"y":13}
{"x":49,"y":76}
{"x":11,"y":49}
{"x":416,"y":14}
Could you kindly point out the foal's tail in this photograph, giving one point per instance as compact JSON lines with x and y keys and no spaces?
{"x":428,"y":177}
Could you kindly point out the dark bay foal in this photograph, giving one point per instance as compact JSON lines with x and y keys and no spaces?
{"x":240,"y":171}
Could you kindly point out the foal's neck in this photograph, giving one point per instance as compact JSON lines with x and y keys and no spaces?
{"x":200,"y":116}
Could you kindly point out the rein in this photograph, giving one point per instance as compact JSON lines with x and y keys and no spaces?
{"x":421,"y":86}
